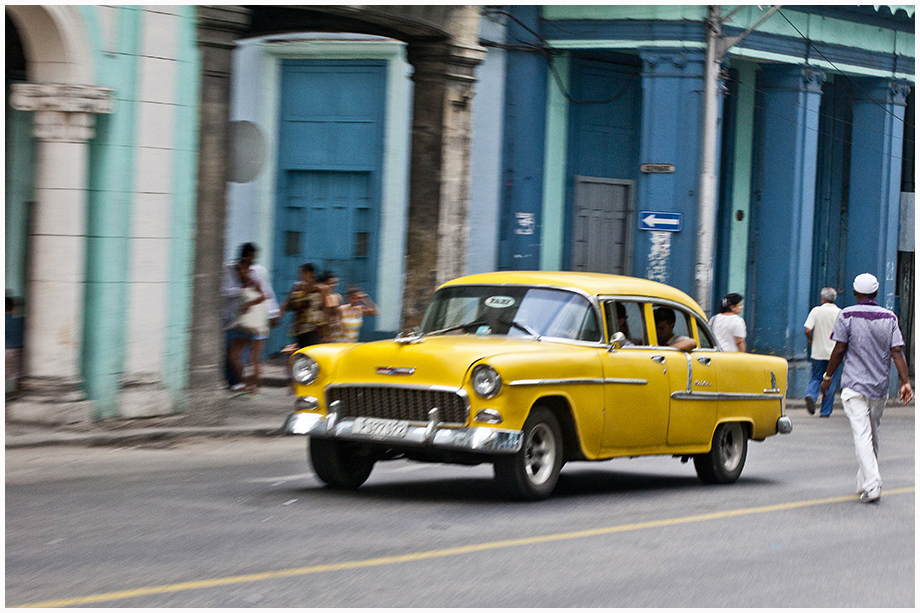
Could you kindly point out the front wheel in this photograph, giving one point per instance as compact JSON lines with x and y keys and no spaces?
{"x":532,"y":472}
{"x":338,"y":464}
{"x":725,"y":461}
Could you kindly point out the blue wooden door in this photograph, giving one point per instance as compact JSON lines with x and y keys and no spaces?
{"x":329,"y":168}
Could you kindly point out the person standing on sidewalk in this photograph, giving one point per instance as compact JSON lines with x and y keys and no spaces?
{"x":869,"y":337}
{"x":818,"y":328}
{"x":231,"y":289}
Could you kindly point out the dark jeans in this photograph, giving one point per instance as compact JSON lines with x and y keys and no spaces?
{"x":818,"y":368}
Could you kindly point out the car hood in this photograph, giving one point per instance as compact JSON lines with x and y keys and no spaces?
{"x":436,"y":360}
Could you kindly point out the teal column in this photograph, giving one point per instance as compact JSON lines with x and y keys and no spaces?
{"x":111,"y":185}
{"x":875,"y":185}
{"x":783,"y":219}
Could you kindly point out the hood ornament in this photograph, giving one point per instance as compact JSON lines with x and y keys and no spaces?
{"x":390,"y":370}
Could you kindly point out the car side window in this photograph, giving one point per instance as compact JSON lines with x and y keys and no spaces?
{"x":627,"y":317}
{"x":706,"y":341}
{"x":672,"y":324}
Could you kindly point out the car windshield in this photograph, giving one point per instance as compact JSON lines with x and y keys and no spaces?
{"x":512,"y":311}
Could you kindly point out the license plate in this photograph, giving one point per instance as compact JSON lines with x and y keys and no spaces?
{"x":380,"y":428}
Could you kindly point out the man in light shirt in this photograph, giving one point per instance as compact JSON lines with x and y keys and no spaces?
{"x":818,"y":328}
{"x":869,"y":337}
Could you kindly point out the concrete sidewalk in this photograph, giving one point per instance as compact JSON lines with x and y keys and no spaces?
{"x":245,"y":416}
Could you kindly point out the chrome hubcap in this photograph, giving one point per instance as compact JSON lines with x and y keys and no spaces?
{"x":730,"y":446}
{"x":540,"y":454}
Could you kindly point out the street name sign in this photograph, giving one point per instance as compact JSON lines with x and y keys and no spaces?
{"x":660,"y":221}
{"x":656,"y":167}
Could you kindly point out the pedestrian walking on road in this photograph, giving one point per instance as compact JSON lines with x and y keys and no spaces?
{"x":868,"y":336}
{"x":729,"y":326}
{"x":818,"y":328}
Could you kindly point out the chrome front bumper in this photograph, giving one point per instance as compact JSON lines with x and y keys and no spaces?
{"x":479,"y":440}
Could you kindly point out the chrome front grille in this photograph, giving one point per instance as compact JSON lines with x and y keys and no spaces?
{"x":394,"y":402}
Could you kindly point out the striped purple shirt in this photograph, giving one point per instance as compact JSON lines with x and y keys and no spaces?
{"x":870,"y":332}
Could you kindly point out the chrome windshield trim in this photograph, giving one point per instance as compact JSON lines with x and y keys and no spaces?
{"x":592,"y":299}
{"x":724,"y":396}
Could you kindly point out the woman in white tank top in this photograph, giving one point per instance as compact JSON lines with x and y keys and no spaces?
{"x":728,"y":325}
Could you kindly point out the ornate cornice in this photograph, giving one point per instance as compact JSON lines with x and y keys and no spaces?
{"x":62,"y":97}
{"x":62,"y":112}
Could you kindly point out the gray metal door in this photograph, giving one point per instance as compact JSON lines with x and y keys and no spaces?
{"x":602,"y":229}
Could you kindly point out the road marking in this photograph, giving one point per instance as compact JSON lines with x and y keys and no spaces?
{"x":440,"y":553}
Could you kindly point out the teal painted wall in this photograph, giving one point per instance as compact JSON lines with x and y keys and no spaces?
{"x":113,"y":154}
{"x":741,"y":182}
{"x":182,"y":254}
{"x":111,"y":185}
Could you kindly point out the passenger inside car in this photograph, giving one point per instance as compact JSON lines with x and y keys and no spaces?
{"x":665,"y":320}
{"x":628,"y":320}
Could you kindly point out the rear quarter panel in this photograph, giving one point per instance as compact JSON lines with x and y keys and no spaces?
{"x":747,"y":373}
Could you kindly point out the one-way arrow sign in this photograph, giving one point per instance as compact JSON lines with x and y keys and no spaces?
{"x":660,"y":221}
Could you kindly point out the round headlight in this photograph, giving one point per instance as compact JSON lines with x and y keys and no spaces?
{"x":486,"y":381}
{"x":304,"y":369}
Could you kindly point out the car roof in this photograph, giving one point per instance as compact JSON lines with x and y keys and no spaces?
{"x":596,"y":284}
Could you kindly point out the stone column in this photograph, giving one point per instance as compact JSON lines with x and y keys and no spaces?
{"x":63,"y":123}
{"x":439,"y":179}
{"x":783,"y":219}
{"x":218,"y":28}
{"x":875,"y":185}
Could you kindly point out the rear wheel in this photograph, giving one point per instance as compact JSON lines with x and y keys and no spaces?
{"x":532,"y":472}
{"x":339,"y":464}
{"x":725,"y":461}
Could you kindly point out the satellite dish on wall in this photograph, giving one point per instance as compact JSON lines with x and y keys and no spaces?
{"x":247,"y":151}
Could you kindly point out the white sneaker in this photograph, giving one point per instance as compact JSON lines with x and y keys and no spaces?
{"x":237,"y":387}
{"x":871,"y":496}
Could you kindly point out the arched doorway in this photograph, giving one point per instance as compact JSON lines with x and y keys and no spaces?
{"x":18,"y":194}
{"x":53,"y":101}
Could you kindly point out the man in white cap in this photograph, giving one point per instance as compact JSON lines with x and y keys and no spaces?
{"x":869,"y":337}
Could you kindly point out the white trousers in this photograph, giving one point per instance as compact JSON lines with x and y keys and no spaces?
{"x":865,"y":415}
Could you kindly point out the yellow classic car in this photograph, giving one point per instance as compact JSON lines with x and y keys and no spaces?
{"x":530,"y":370}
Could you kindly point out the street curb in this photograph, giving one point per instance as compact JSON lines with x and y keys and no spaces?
{"x":131,"y":437}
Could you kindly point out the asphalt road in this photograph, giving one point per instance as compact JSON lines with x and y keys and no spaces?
{"x":244,"y":523}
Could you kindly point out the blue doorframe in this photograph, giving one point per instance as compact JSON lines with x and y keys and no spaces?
{"x":331,"y":131}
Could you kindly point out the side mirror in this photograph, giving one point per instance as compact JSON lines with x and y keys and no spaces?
{"x":617,"y":341}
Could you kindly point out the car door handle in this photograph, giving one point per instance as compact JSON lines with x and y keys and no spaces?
{"x":658,"y":358}
{"x":704,"y":361}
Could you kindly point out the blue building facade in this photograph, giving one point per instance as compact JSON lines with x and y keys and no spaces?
{"x":604,"y":129}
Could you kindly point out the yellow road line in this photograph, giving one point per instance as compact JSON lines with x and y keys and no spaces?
{"x":440,"y":553}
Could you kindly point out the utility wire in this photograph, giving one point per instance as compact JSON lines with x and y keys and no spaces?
{"x":812,"y":45}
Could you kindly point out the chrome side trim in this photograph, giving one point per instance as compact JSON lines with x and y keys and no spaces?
{"x":723,"y":396}
{"x":475,"y":439}
{"x":612,"y":380}
{"x":557,"y":382}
